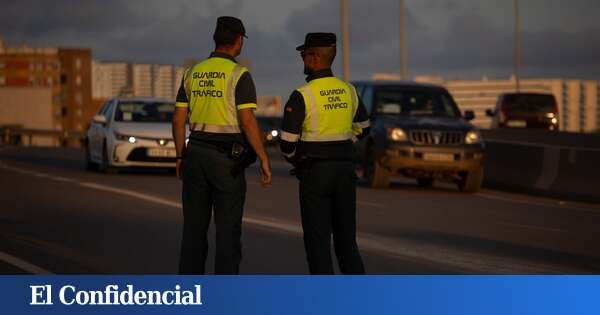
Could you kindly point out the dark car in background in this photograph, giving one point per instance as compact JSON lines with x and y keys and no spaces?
{"x":270,"y":127}
{"x":417,"y":131}
{"x":525,"y":110}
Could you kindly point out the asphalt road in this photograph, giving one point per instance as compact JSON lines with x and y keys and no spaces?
{"x":55,"y":217}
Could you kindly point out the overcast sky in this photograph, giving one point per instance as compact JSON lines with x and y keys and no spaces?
{"x":454,"y":38}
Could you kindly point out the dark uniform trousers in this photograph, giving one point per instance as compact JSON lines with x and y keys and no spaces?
{"x":209,"y":187}
{"x":328,"y":205}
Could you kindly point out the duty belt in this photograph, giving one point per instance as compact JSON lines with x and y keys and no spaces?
{"x":215,"y":128}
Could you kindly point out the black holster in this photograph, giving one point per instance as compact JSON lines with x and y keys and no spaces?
{"x":302,"y":166}
{"x":241,"y":153}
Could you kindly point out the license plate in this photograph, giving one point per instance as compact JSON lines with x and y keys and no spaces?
{"x":438,"y":156}
{"x":155,"y":152}
{"x":516,"y":123}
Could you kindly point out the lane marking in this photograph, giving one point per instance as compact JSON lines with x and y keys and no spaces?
{"x":131,"y":193}
{"x":23,"y":265}
{"x":549,"y":203}
{"x":530,"y":227}
{"x":61,"y":179}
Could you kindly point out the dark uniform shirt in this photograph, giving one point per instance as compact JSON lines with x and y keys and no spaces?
{"x":293,"y":118}
{"x":245,"y":93}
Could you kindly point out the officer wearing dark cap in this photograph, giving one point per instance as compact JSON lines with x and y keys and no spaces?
{"x":321,"y":121}
{"x":217,"y":96}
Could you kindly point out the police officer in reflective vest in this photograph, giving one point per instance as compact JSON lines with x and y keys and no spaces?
{"x":218,"y":98}
{"x":321,"y":122}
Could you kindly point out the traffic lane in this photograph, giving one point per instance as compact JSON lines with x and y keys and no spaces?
{"x":69,"y":228}
{"x":406,"y":209}
{"x":95,"y":231}
{"x":446,"y":211}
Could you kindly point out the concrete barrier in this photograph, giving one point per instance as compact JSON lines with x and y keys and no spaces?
{"x":560,"y":165}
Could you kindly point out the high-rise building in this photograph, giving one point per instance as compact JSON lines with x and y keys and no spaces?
{"x":113,"y":79}
{"x":142,"y":80}
{"x":178,"y":76}
{"x":162,"y":81}
{"x":76,"y":86}
{"x":110,"y":79}
{"x":66,"y":72}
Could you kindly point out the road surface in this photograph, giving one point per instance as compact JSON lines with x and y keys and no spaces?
{"x":56,"y":217}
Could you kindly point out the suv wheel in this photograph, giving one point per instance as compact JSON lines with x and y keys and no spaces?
{"x":425,"y":182}
{"x":471,"y":181}
{"x":377,"y":176}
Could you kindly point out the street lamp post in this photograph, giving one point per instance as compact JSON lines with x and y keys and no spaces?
{"x":345,"y":39}
{"x":403,"y":64}
{"x":517,"y":46}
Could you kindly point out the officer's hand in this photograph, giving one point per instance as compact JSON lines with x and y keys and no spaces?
{"x":265,"y":173}
{"x":179,"y":169}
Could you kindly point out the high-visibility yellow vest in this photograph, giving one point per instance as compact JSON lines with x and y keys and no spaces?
{"x":330,"y":106}
{"x":210,"y":88}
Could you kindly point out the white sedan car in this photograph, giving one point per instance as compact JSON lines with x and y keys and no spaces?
{"x":131,"y":132}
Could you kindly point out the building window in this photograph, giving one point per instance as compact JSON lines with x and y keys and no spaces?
{"x":64,"y":111}
{"x":63,"y":79}
{"x":2,"y":80}
{"x":39,"y":66}
{"x":31,"y":80}
{"x":2,"y":65}
{"x":78,"y":80}
{"x":79,"y":112}
{"x":50,"y":81}
{"x":78,"y":63}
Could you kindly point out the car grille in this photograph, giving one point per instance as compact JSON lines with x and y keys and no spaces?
{"x":428,"y":137}
{"x":140,"y":155}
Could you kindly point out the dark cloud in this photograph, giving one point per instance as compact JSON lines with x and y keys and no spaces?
{"x":458,"y":38}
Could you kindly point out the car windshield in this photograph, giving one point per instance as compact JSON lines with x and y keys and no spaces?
{"x":415,"y":103}
{"x":541,"y":103}
{"x":144,"y":112}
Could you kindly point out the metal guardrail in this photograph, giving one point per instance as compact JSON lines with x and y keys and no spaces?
{"x":16,"y":135}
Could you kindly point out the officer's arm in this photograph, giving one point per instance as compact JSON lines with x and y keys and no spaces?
{"x":179,"y":118}
{"x":293,"y":117}
{"x":245,"y":99}
{"x":361,"y":120}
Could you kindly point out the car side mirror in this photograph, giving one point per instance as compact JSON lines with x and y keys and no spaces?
{"x":99,"y":119}
{"x":489,"y":112}
{"x":469,"y":115}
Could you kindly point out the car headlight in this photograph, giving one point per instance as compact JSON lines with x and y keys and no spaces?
{"x":472,"y":137}
{"x":274,"y":133}
{"x":130,"y":139}
{"x":397,"y":134}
